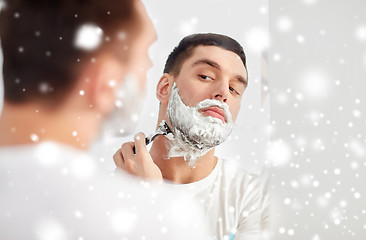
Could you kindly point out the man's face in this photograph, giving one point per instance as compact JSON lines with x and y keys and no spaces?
{"x":204,"y":101}
{"x":212,"y":73}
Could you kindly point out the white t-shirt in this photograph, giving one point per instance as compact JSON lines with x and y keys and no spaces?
{"x":51,"y":191}
{"x":234,"y":200}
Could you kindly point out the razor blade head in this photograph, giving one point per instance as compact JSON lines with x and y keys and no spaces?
{"x":166,"y":127}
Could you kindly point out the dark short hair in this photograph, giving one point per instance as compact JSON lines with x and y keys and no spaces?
{"x":37,"y":38}
{"x":186,"y":46}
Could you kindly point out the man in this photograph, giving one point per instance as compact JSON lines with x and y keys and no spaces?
{"x":200,"y":94}
{"x":1,"y":83}
{"x":67,"y":65}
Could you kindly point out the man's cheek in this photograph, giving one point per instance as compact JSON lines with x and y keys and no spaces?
{"x":235,"y":113}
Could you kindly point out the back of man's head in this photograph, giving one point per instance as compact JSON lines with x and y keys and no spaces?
{"x":186,"y":46}
{"x":43,"y":52}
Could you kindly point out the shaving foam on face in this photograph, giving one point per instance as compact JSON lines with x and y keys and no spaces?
{"x":194,"y":133}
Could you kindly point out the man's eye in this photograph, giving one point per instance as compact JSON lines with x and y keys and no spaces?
{"x":205,"y":77}
{"x":233,"y":90}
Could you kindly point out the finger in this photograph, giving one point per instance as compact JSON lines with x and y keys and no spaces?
{"x":140,"y":143}
{"x":126,"y":151}
{"x":118,"y":159}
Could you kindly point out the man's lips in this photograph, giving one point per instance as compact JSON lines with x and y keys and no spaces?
{"x":214,"y":112}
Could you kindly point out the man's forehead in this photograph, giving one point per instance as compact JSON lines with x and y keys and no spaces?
{"x":213,"y":52}
{"x":211,"y":56}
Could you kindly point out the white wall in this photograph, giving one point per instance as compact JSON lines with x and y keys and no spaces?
{"x":318,"y":105}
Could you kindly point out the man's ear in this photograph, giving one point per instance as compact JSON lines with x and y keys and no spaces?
{"x":164,"y":88}
{"x":108,"y":74}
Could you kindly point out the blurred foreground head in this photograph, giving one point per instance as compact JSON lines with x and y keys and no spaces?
{"x":75,"y":60}
{"x":47,"y":44}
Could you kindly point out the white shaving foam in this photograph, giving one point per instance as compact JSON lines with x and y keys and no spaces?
{"x":194,"y":133}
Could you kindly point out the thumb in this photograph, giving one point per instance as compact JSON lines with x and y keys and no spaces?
{"x":140,"y":142}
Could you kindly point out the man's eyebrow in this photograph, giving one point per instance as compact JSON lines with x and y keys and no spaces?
{"x":241,"y":79}
{"x":208,"y":62}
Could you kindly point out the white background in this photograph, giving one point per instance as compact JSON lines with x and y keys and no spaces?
{"x":318,"y":108}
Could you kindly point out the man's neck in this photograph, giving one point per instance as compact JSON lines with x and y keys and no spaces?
{"x":28,"y":124}
{"x":176,"y":169}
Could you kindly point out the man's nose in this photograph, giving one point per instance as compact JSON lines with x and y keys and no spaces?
{"x":221,"y":92}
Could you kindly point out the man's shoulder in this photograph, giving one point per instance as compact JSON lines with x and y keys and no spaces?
{"x":245,"y":194}
{"x":48,"y":151}
{"x":241,"y":181}
{"x":52,"y":160}
{"x":33,"y":177}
